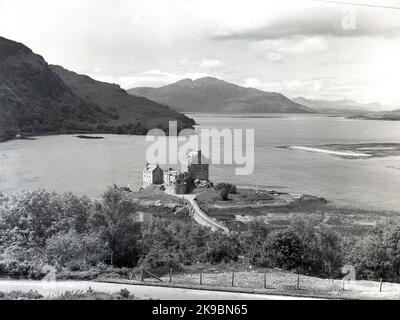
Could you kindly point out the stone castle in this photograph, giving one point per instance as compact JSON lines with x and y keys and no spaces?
{"x":195,"y":169}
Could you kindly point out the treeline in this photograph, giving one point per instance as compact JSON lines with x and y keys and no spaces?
{"x":79,"y":234}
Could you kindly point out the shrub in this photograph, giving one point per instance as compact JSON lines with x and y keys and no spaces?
{"x":224,"y":195}
{"x":125,"y":293}
{"x":20,"y":295}
{"x":76,"y":251}
{"x":221,"y":248}
{"x":284,"y":248}
{"x":22,"y":269}
{"x":231,"y":188}
{"x":161,"y":259}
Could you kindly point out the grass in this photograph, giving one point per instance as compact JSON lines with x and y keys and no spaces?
{"x":281,"y":282}
{"x":156,"y":202}
{"x":283,"y":209}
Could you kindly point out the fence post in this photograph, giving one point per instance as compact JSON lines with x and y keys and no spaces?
{"x":298,"y":282}
{"x":141,"y":275}
{"x":265,"y":280}
{"x":233,"y":278}
{"x":380,"y":285}
{"x":170,"y":276}
{"x":201,"y":278}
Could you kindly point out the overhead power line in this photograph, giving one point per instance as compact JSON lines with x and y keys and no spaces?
{"x":359,"y":4}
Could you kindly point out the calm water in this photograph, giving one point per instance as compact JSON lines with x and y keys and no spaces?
{"x":66,"y":163}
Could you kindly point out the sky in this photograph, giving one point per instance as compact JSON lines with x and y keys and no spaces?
{"x":307,"y":48}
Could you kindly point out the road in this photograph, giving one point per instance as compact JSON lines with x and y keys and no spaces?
{"x":47,"y":289}
{"x":199,"y":215}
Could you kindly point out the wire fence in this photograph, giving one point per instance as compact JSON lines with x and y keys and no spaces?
{"x":274,"y":280}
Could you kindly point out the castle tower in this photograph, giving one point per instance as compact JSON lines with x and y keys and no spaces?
{"x":197,"y":166}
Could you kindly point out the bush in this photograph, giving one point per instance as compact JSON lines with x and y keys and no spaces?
{"x":20,"y":295}
{"x":29,"y":219}
{"x":221,"y":248}
{"x":285,"y":249}
{"x":22,"y":269}
{"x":231,"y":188}
{"x":224,"y":195}
{"x":76,"y":251}
{"x":160,"y":260}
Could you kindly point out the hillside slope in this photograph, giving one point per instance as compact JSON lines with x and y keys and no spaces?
{"x":139,"y":112}
{"x":214,"y":95}
{"x":36,"y":100}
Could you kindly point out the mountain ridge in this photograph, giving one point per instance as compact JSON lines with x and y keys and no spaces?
{"x":339,"y":105}
{"x":210,"y":94}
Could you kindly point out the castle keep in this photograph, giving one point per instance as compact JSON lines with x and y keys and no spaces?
{"x":197,"y":167}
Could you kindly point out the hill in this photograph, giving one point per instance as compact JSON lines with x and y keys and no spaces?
{"x":344,"y":106}
{"x":130,"y":110}
{"x":35,"y":100}
{"x":214,"y":95}
{"x":384,"y":115}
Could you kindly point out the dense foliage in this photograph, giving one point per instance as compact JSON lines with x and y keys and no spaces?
{"x":230,"y":188}
{"x":77,"y":234}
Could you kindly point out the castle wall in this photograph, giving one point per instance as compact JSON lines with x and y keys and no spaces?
{"x":177,"y":188}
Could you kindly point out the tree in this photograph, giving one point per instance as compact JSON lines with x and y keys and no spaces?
{"x":116,"y":220}
{"x":72,"y":247}
{"x":27,"y":220}
{"x":224,"y":195}
{"x":285,"y":249}
{"x":321,"y":248}
{"x":378,"y":255}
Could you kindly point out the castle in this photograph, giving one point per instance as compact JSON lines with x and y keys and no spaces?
{"x":194,"y":169}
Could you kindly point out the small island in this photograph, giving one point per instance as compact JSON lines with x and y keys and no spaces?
{"x":90,"y":137}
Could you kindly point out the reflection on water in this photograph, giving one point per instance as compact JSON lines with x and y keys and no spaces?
{"x":66,"y":163}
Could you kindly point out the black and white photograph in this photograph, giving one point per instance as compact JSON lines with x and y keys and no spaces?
{"x":199,"y":150}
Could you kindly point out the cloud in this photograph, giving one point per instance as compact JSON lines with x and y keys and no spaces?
{"x":316,"y":88}
{"x":210,"y":63}
{"x":276,"y":49}
{"x":274,"y":57}
{"x":343,"y":62}
{"x":321,"y":20}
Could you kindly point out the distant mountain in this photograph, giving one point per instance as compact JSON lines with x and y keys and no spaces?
{"x":35,"y":100}
{"x":353,"y":109}
{"x":344,"y":106}
{"x":214,"y":95}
